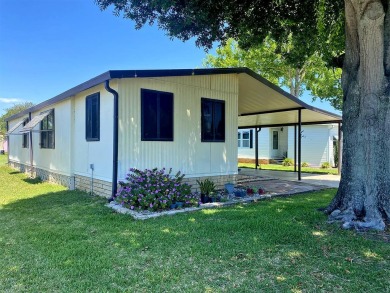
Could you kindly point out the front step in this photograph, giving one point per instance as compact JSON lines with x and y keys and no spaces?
{"x":278,"y":161}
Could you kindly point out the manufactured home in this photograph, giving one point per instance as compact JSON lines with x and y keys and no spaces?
{"x":319,"y":144}
{"x":184,"y":119}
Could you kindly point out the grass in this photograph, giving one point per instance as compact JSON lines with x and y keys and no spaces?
{"x":276,"y":167}
{"x":54,"y":240}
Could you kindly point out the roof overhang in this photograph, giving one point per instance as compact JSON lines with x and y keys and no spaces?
{"x":260,"y":103}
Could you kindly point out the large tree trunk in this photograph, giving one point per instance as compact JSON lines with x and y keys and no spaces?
{"x":363,"y":198}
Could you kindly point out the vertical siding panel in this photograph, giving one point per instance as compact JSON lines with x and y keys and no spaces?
{"x":186,"y":153}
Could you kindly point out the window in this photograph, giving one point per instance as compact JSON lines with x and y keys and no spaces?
{"x":156,"y":115}
{"x":244,"y":139}
{"x":25,"y":143}
{"x":47,"y":131}
{"x":92,"y":117}
{"x":213,"y":120}
{"x":275,"y":140}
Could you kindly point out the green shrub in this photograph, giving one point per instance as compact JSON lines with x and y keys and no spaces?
{"x":325,"y":165}
{"x":288,"y":162}
{"x":154,"y":190}
{"x":305,"y":164}
{"x":207,"y":187}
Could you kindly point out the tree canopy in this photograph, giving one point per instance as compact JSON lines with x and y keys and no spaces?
{"x":249,"y":22}
{"x":16,"y":108}
{"x":322,"y":82}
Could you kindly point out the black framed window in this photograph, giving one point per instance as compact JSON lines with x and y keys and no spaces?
{"x":156,"y":115}
{"x":25,"y":143}
{"x":47,"y":131}
{"x":92,"y":117}
{"x":213,"y":120}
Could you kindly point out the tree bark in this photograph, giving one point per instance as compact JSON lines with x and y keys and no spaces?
{"x":363,"y":197}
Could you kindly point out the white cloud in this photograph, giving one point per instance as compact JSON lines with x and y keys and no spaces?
{"x":10,"y":100}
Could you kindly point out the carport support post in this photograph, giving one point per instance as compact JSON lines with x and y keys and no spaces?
{"x":295,"y":148}
{"x":299,"y":143}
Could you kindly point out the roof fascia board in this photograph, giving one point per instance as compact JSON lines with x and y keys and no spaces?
{"x":290,"y":124}
{"x":71,"y":92}
{"x":112,"y":74}
{"x":272,"y":111}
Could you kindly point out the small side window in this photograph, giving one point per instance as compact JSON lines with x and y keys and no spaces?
{"x":92,"y":117}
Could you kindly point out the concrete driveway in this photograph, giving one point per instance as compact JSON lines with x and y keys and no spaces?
{"x":326,"y":180}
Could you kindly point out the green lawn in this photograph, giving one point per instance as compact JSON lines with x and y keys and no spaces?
{"x":53,"y":240}
{"x":276,"y":167}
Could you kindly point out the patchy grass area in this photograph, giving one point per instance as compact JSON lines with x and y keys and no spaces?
{"x":66,"y":241}
{"x":276,"y":167}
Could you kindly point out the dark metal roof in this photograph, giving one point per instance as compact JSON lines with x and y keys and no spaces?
{"x":115,"y":74}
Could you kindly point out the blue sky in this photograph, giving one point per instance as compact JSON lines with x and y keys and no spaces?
{"x":49,"y":46}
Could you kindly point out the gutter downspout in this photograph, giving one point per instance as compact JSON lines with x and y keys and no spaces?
{"x":31,"y":149}
{"x":115,"y":140}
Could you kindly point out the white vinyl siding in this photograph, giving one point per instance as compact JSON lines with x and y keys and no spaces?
{"x":98,"y":153}
{"x":187,"y":153}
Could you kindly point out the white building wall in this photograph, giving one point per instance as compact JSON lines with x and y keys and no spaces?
{"x":16,"y":152}
{"x":57,"y":159}
{"x":186,"y":153}
{"x":317,"y":143}
{"x":98,"y":153}
{"x":264,"y":147}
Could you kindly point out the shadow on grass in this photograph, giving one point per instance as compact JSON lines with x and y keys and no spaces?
{"x":14,"y":172}
{"x":36,"y":180}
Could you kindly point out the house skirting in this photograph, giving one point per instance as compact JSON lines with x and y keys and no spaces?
{"x":97,"y":187}
{"x":219,"y":181}
{"x":45,"y":175}
{"x":104,"y":188}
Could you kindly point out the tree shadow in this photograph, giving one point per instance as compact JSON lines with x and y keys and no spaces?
{"x":35,"y":180}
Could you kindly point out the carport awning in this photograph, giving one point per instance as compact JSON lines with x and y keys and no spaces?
{"x":262,"y":104}
{"x":29,"y":126}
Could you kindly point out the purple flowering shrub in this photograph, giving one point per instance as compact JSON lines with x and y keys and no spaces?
{"x":154,"y":190}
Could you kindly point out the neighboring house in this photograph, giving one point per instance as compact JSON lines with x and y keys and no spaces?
{"x":277,"y":143}
{"x":3,"y":144}
{"x":184,"y":119}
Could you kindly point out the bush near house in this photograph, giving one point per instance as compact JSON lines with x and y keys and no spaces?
{"x":288,"y":162}
{"x":154,"y":190}
{"x":325,"y":165}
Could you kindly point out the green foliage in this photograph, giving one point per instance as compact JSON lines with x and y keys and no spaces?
{"x":154,"y":190}
{"x":12,"y":111}
{"x":269,"y":61}
{"x":288,"y":162}
{"x":305,"y":164}
{"x":325,"y":165}
{"x":207,"y":187}
{"x":307,"y":26}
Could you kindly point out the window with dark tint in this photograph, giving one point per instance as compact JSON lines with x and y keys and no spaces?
{"x":156,"y":115}
{"x":92,"y":117}
{"x":275,"y":140}
{"x":213,"y":120}
{"x":47,"y":131}
{"x":25,"y":136}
